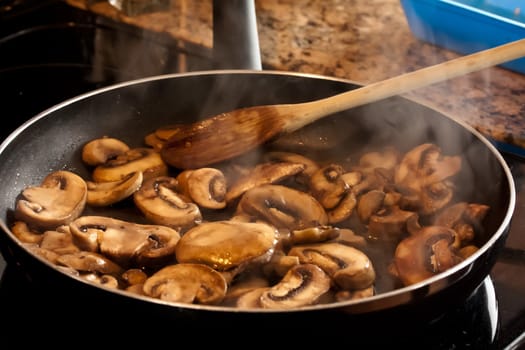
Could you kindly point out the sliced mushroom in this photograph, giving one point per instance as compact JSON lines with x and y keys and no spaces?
{"x":279,"y":264}
{"x":159,"y":200}
{"x":422,"y":178}
{"x":107,"y":193}
{"x":59,"y":241}
{"x":205,"y":186}
{"x":101,"y":150}
{"x":83,"y":261}
{"x":104,"y":280}
{"x":343,"y":210}
{"x":134,"y":276}
{"x":141,"y":159}
{"x":310,"y":166}
{"x":349,"y":237}
{"x":124,"y":242}
{"x":303,"y":285}
{"x":262,"y":174}
{"x":349,"y":267}
{"x":283,"y":207}
{"x":465,"y":218}
{"x":391,"y":223}
{"x":224,"y":245}
{"x":25,"y":234}
{"x":327,"y":185}
{"x":158,"y":137}
{"x":60,"y":199}
{"x":187,"y":283}
{"x":314,"y":234}
{"x":424,"y":254}
{"x":369,"y":203}
{"x":424,"y":165}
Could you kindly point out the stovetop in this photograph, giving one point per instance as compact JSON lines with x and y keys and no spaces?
{"x":51,"y":52}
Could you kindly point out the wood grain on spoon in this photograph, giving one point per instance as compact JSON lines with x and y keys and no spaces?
{"x":233,"y":133}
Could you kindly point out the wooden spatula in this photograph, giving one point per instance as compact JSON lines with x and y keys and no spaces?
{"x":233,"y":133}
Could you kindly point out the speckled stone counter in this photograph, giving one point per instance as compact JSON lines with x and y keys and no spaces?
{"x":361,"y":40}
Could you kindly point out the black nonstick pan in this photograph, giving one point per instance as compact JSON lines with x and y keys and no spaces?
{"x":53,"y":141}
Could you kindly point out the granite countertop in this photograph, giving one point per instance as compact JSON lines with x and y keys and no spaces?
{"x":364,"y":41}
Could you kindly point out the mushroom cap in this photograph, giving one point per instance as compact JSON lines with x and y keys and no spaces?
{"x":99,"y":151}
{"x":425,"y":253}
{"x":283,"y":207}
{"x":58,"y":200}
{"x":262,"y":174}
{"x":142,"y":159}
{"x":187,"y":283}
{"x":83,"y":261}
{"x":224,"y":245}
{"x":205,"y":186}
{"x":302,"y":285}
{"x":110,"y":192}
{"x":125,"y":242}
{"x":349,"y":267}
{"x":159,"y":200}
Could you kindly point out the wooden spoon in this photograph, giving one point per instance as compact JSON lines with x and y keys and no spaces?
{"x":233,"y":133}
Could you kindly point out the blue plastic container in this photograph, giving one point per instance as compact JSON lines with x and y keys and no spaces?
{"x":467,"y":26}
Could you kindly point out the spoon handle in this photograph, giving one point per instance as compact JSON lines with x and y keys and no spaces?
{"x":308,"y":112}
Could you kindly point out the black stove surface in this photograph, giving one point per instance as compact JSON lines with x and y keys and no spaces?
{"x":51,"y":52}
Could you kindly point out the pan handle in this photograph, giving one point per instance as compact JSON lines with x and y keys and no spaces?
{"x":235,"y":36}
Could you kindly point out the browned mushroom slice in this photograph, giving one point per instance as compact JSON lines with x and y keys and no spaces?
{"x":369,"y":203}
{"x":134,"y":276}
{"x":465,"y":218}
{"x":24,"y":233}
{"x":157,"y":138}
{"x":327,"y":185}
{"x":283,"y":207}
{"x":343,"y":210}
{"x":110,"y":192}
{"x":59,"y":241}
{"x":224,"y":245}
{"x":60,"y":199}
{"x":424,"y":254}
{"x":141,"y":159}
{"x":435,"y":197}
{"x":302,"y":285}
{"x":424,"y":165}
{"x":279,"y":264}
{"x":391,"y":223}
{"x":422,"y":178}
{"x":314,"y":234}
{"x":349,"y":267}
{"x":89,"y":262}
{"x":205,"y":186}
{"x":349,"y":237}
{"x":104,"y":279}
{"x":160,"y":202}
{"x":310,"y":166}
{"x":262,"y":174}
{"x":99,"y":151}
{"x":187,"y":283}
{"x":125,"y":242}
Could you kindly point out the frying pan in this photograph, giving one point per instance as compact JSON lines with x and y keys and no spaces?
{"x":53,"y":140}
